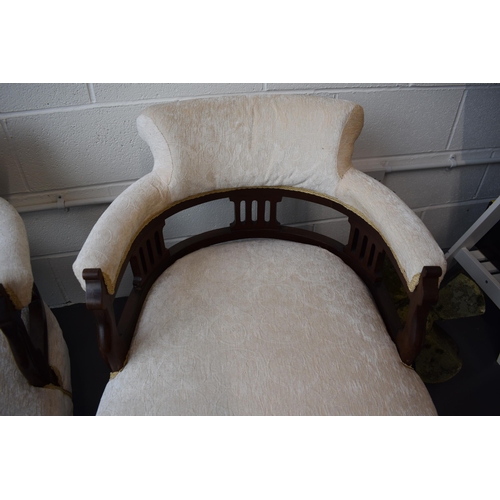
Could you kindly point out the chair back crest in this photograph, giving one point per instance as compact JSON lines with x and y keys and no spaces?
{"x":211,"y":144}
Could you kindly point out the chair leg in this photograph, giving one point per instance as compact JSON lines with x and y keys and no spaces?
{"x":410,"y":338}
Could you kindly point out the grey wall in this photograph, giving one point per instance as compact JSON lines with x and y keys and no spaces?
{"x":78,"y":141}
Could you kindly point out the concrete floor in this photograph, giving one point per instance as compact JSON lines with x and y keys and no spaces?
{"x":475,"y":390}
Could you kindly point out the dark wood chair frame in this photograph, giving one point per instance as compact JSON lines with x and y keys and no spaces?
{"x":255,"y":216}
{"x":29,"y":346}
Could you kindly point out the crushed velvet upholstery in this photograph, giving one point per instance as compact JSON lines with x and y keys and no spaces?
{"x":263,"y":327}
{"x":15,"y":264}
{"x":259,"y":327}
{"x":297,"y":141}
{"x":17,"y":396}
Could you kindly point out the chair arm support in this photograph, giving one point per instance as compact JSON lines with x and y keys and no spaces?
{"x":112,"y":345}
{"x":112,"y":236}
{"x":410,"y":338}
{"x":411,"y":242}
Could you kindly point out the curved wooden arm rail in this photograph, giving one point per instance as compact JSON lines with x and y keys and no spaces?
{"x":29,"y":346}
{"x":255,"y":216}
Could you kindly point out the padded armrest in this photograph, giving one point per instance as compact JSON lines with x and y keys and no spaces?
{"x":112,"y":236}
{"x":411,"y":242}
{"x":15,"y":265}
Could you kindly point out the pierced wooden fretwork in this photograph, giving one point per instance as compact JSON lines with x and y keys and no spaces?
{"x":366,"y":248}
{"x":148,"y":253}
{"x":255,"y":216}
{"x":255,"y":209}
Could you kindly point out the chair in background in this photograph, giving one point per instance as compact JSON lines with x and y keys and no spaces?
{"x":34,"y":361}
{"x":258,"y":318}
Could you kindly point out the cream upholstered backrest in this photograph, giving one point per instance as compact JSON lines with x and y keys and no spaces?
{"x":15,"y":264}
{"x":298,"y":141}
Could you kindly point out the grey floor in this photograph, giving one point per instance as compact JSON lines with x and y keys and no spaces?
{"x":475,"y":390}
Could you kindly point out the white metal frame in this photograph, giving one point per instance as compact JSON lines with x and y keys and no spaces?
{"x":483,"y":272}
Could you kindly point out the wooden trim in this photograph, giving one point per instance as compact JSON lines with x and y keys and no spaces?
{"x":410,"y":338}
{"x":28,"y":346}
{"x":255,"y":216}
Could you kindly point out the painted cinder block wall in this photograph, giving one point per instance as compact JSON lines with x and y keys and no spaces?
{"x":63,"y":143}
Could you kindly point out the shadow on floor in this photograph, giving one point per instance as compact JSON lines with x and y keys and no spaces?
{"x":474,"y":390}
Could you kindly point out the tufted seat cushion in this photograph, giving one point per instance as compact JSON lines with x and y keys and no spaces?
{"x":263,"y":327}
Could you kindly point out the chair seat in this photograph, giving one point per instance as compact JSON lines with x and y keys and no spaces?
{"x":263,"y":327}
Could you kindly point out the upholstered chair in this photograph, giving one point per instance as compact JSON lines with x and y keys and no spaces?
{"x":35,"y":374}
{"x":258,"y":318}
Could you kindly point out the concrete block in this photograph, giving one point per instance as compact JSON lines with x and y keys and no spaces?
{"x":60,"y":286}
{"x":126,"y":284}
{"x":46,"y":282}
{"x":292,"y":211}
{"x":212,"y":215}
{"x":447,"y":224}
{"x":308,"y":227}
{"x":78,"y":148}
{"x":11,"y":180}
{"x":479,"y":121}
{"x":419,"y":213}
{"x":32,"y":96}
{"x":118,"y":92}
{"x":490,"y":187}
{"x":337,"y":229}
{"x":71,"y":290}
{"x":60,"y":231}
{"x":171,"y":242}
{"x":404,"y":121}
{"x":437,"y":186}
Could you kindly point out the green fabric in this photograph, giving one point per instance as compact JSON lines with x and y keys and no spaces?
{"x":439,"y":359}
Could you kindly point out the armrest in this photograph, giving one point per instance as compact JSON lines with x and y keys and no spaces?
{"x":15,"y":265}
{"x":112,"y":236}
{"x":411,"y":242}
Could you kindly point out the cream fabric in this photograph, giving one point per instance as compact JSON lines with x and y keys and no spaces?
{"x":278,"y":140}
{"x":18,"y":397}
{"x":204,"y":145}
{"x":295,"y":141}
{"x":411,"y":242}
{"x":263,"y":327}
{"x":111,"y":237}
{"x":15,"y":265}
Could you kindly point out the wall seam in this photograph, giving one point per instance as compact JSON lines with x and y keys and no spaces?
{"x":481,"y":182}
{"x":91,"y":91}
{"x":457,"y":119}
{"x":454,"y":204}
{"x":58,"y":283}
{"x":12,"y":147}
{"x":430,"y":155}
{"x":55,"y":255}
